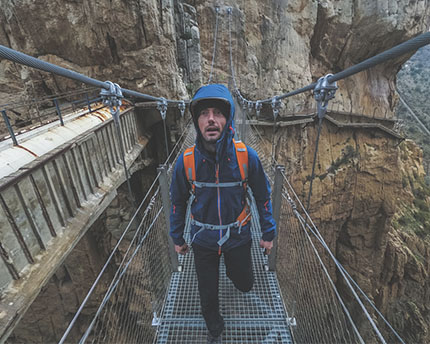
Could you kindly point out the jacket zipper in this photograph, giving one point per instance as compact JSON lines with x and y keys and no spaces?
{"x":219,"y":202}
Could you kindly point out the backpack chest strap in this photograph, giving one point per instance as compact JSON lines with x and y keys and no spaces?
{"x":216,"y":185}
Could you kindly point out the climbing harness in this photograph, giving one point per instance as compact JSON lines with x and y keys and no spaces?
{"x":245,"y":215}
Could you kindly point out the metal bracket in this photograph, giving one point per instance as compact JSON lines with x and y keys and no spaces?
{"x":291,"y":321}
{"x":156,"y":321}
{"x":181,"y":107}
{"x":112,"y":98}
{"x":250,"y":105}
{"x":276,"y":104}
{"x":258,"y":106}
{"x":323,"y":92}
{"x":162,"y":107}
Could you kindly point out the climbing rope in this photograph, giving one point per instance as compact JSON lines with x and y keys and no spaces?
{"x":215,"y":44}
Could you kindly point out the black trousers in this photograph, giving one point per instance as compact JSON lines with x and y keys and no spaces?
{"x":238,"y":265}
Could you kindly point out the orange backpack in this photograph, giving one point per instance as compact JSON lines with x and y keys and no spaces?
{"x":242,"y":160}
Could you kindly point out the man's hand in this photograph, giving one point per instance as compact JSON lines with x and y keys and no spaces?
{"x":184,"y":249}
{"x":267,"y":245}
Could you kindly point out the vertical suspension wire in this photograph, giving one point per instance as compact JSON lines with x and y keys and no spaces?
{"x":230,"y":14}
{"x":215,"y":45}
{"x":314,"y":230}
{"x":313,"y":164}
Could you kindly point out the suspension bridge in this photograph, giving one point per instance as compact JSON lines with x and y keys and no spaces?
{"x":153,"y":295}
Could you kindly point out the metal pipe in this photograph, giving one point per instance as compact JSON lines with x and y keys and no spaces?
{"x":9,"y":127}
{"x":164,"y":188}
{"x":276,"y":204}
{"x":57,"y":107}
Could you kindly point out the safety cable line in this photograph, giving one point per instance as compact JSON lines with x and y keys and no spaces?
{"x":322,"y":241}
{"x":34,"y":101}
{"x":314,"y":162}
{"x":115,"y":284}
{"x":320,"y":238}
{"x":229,"y":11}
{"x":399,"y":50}
{"x":16,"y":56}
{"x":66,"y":333}
{"x":115,"y":278}
{"x":215,"y":44}
{"x":345,"y":309}
{"x":423,"y":127}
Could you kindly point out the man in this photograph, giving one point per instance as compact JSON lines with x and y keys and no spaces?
{"x":214,"y":173}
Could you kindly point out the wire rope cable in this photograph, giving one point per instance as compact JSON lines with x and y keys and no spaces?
{"x":314,"y":230}
{"x":16,"y":56}
{"x":215,"y":45}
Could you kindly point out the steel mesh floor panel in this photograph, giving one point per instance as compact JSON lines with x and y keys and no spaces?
{"x":254,"y":317}
{"x":236,"y":332}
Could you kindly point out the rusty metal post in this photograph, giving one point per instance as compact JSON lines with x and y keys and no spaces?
{"x":88,"y":103}
{"x":9,"y":128}
{"x":58,"y":111}
{"x":276,"y":204}
{"x":164,"y":188}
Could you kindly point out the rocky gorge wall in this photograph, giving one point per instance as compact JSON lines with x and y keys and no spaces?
{"x":369,"y":199}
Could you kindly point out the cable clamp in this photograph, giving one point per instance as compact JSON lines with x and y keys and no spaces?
{"x":181,"y":107}
{"x":250,"y":105}
{"x":244,"y":104}
{"x":276,"y":104}
{"x":258,"y":106}
{"x":323,"y":92}
{"x":112,"y":97}
{"x":229,"y":10}
{"x":162,"y":107}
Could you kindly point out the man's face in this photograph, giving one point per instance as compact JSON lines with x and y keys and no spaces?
{"x":211,"y":124}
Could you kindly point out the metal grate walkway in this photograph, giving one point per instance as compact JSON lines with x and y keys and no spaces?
{"x":254,"y":317}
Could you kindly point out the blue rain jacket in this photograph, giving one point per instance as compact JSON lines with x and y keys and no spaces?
{"x":219,"y":205}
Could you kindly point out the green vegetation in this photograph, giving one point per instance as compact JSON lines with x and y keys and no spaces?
{"x":348,"y":154}
{"x":416,"y":218}
{"x":413,"y":83}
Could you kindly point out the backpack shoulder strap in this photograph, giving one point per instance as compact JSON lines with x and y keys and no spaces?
{"x":242,"y":158}
{"x":189,"y":165}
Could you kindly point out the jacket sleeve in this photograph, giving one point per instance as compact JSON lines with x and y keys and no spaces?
{"x":261,"y":189}
{"x":179,"y":194}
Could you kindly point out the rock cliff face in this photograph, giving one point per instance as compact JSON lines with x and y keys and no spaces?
{"x":369,"y":200}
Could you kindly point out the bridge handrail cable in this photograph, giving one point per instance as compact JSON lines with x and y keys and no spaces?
{"x":153,"y":190}
{"x":19,"y":57}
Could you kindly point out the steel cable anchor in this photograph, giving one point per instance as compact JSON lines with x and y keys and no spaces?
{"x":181,"y":107}
{"x":162,"y":107}
{"x":323,"y":92}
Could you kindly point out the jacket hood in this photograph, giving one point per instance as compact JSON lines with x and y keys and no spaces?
{"x":216,"y":92}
